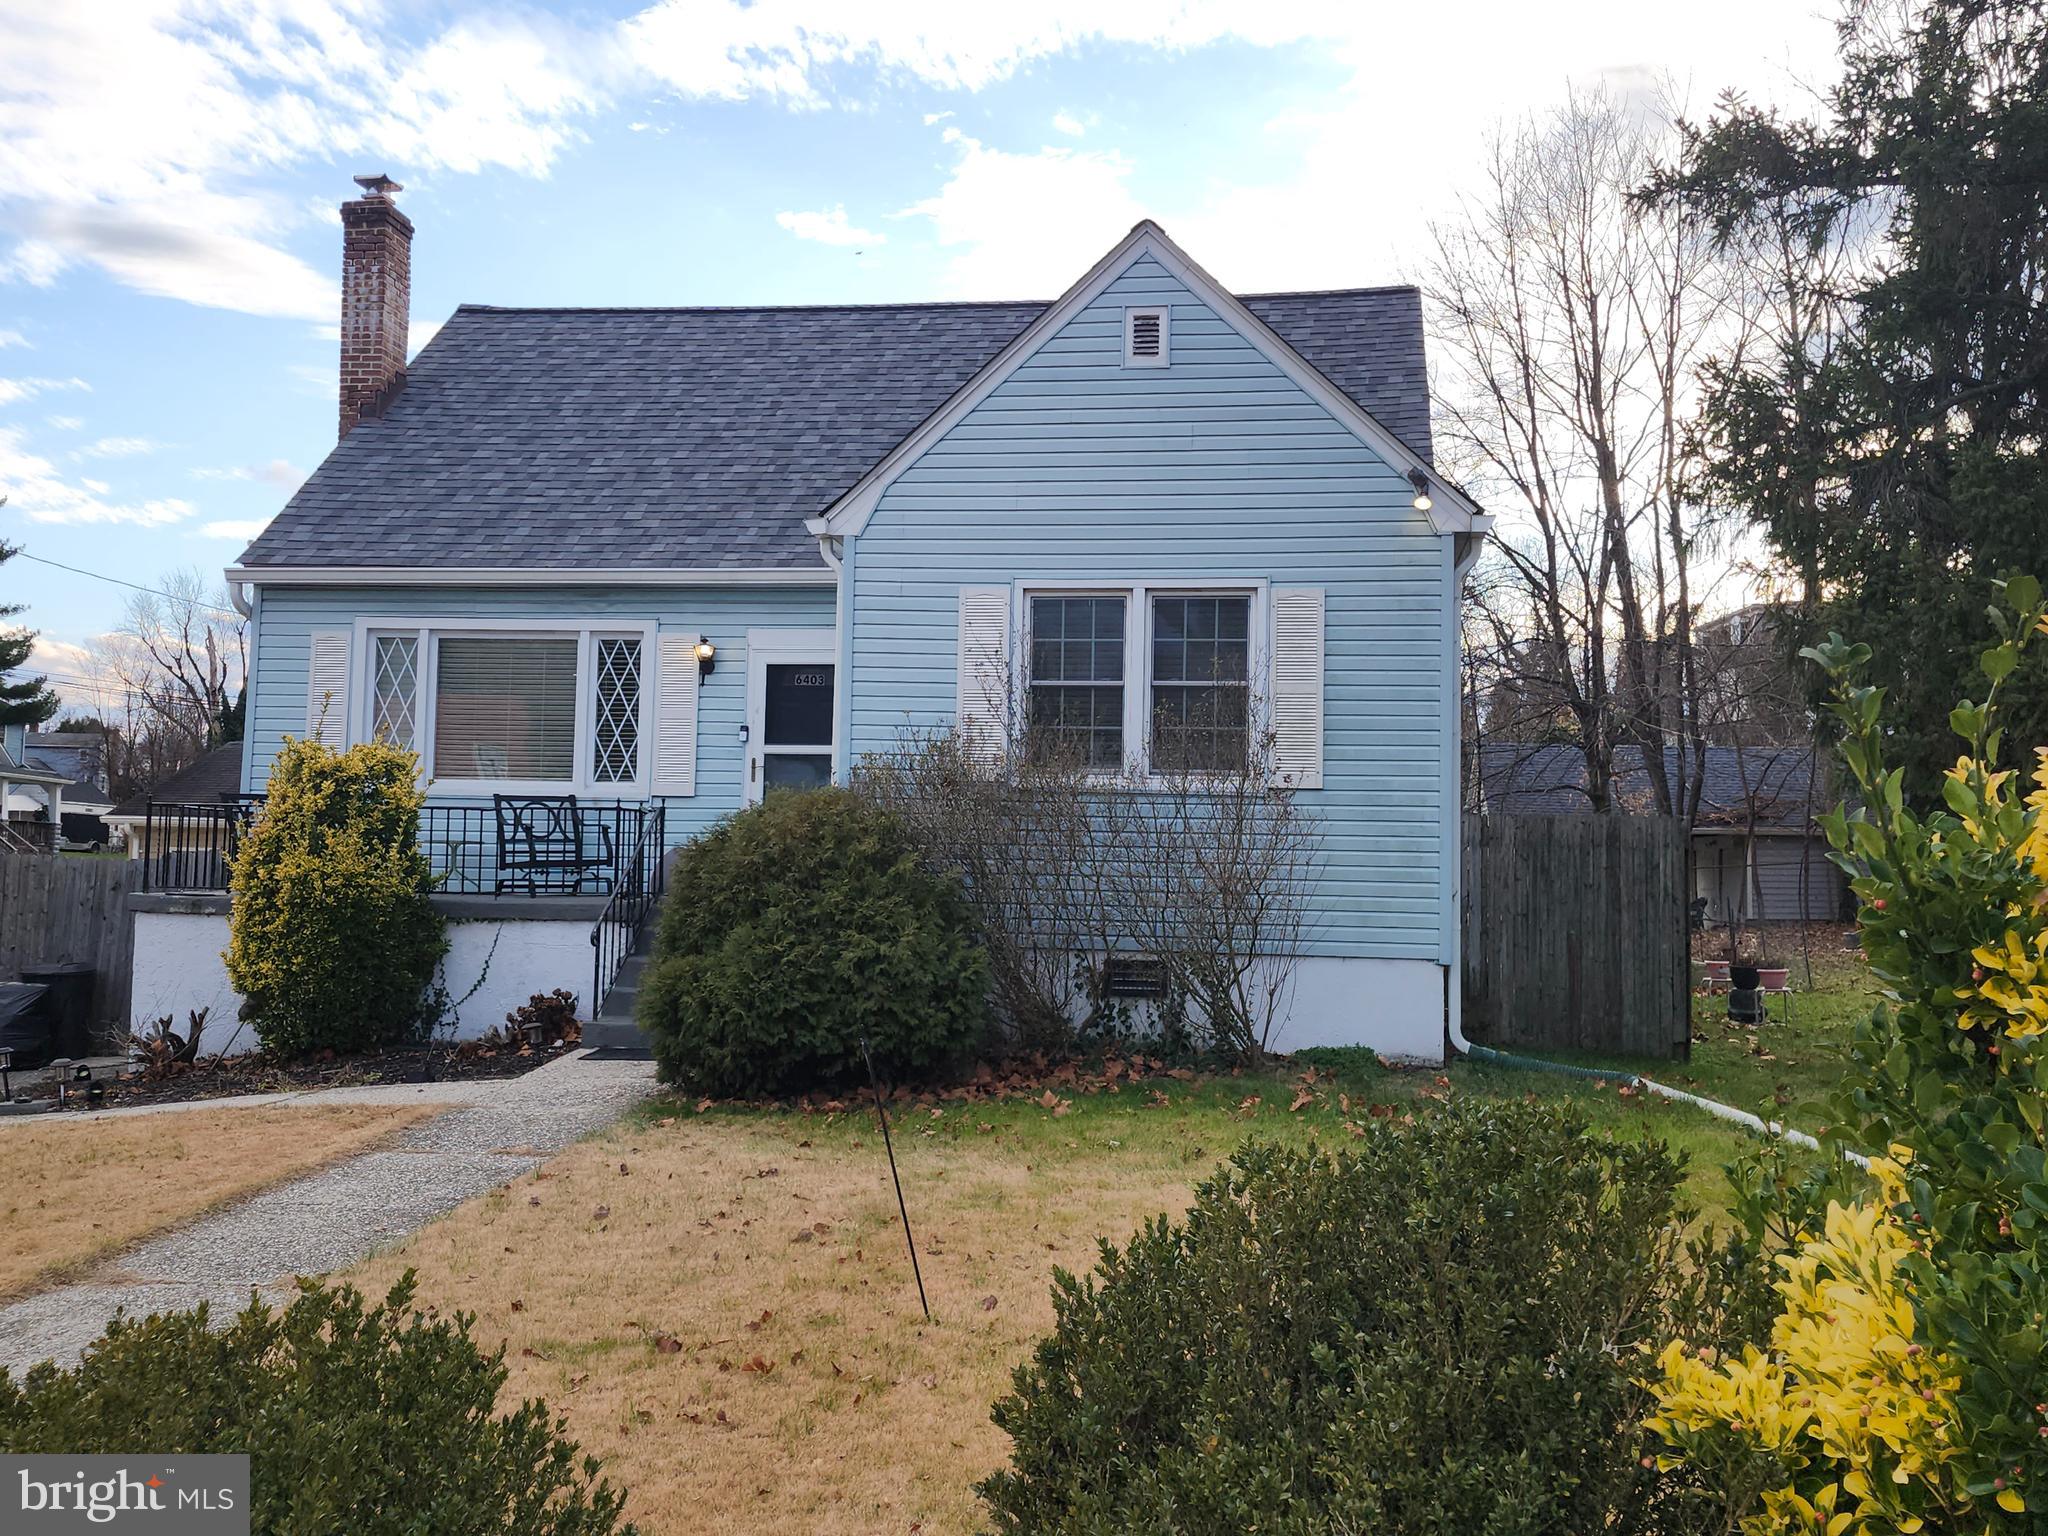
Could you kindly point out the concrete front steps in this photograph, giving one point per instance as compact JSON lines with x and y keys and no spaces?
{"x":615,"y":1028}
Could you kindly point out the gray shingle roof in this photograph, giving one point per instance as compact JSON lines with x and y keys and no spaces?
{"x":1525,"y":779}
{"x":216,"y":774}
{"x":702,"y":438}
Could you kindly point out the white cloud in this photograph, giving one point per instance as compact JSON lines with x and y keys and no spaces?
{"x":829,"y":227}
{"x":35,"y":489}
{"x":54,"y":655}
{"x":316,"y":380}
{"x":240,"y":528}
{"x":116,"y":448}
{"x":35,"y":262}
{"x":788,"y":49}
{"x":277,"y":472}
{"x":13,"y":339}
{"x":14,"y":390}
{"x":137,"y":138}
{"x":417,"y":334}
{"x":148,"y":139}
{"x":1025,"y":226}
{"x":66,"y":423}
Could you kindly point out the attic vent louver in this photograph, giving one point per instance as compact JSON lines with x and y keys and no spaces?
{"x":1145,"y":338}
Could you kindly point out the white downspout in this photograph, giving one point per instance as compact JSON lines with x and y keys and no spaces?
{"x":842,"y":647}
{"x":1454,"y":975}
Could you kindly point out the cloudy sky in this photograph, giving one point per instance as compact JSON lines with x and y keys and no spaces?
{"x":169,"y":174}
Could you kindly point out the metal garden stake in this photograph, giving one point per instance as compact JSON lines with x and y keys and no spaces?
{"x":888,"y":1146}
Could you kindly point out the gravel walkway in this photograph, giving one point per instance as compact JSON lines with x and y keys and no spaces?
{"x":492,"y":1133}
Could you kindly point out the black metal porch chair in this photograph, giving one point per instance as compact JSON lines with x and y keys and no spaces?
{"x":544,"y":845}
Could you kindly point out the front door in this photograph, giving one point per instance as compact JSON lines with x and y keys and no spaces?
{"x":790,"y":713}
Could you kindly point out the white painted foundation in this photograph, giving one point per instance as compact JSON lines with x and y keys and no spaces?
{"x":1394,"y":1006}
{"x":178,"y":967}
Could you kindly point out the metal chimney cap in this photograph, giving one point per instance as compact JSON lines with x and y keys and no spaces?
{"x":378,"y":185}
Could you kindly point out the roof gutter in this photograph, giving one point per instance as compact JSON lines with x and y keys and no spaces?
{"x":528,"y":576}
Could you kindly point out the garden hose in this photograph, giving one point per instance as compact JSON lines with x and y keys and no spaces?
{"x":1741,"y":1117}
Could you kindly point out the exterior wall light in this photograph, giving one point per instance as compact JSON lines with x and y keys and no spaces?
{"x":707,"y":656}
{"x":1420,"y":481}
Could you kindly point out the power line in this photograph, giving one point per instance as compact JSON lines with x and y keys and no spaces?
{"x":77,"y":570}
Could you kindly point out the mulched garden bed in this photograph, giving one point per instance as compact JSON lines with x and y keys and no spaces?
{"x":234,"y":1076}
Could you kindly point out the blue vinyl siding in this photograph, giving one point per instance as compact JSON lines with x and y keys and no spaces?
{"x":289,"y":615}
{"x":1217,"y":468}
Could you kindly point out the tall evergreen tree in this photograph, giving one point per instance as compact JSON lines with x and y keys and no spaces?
{"x":23,"y":700}
{"x":1895,"y":463}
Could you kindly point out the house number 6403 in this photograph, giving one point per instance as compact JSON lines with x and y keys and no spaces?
{"x":807,"y":679}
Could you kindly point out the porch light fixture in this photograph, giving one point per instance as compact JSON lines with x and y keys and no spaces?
{"x":1420,"y":481}
{"x":707,"y":656}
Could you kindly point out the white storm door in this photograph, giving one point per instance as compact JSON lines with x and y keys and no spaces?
{"x":791,"y":677}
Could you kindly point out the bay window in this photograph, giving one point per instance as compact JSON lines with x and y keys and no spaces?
{"x":547,"y":709}
{"x":1156,"y":678}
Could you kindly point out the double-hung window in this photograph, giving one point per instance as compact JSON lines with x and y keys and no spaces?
{"x":546,"y":709}
{"x":1076,"y":686}
{"x":1158,"y":679}
{"x":1201,"y":682}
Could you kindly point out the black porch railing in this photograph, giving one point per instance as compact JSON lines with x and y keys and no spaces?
{"x":642,"y":871}
{"x":193,"y":848}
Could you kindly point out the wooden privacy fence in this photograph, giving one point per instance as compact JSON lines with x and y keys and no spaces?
{"x":1575,"y":934}
{"x":58,"y":909}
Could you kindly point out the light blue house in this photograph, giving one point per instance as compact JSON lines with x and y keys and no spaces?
{"x":666,"y":561}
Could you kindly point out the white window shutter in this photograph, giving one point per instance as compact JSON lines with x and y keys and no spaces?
{"x":983,"y":706}
{"x":327,"y":686}
{"x":1298,"y":687}
{"x":675,"y":716}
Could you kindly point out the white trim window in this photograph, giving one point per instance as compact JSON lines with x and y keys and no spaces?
{"x":543,"y":708}
{"x":1159,"y":679}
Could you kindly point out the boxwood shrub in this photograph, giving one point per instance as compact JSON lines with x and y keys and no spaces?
{"x":1433,"y":1331}
{"x":790,"y":928}
{"x":374,"y":1420}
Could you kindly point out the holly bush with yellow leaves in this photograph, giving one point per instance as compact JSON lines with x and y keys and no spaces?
{"x":1903,"y":1387}
{"x":334,"y":936}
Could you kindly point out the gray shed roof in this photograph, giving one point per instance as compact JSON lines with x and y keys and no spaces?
{"x":702,"y":438}
{"x":1548,"y":779}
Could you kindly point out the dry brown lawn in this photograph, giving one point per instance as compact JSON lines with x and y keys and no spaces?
{"x":726,"y":1314}
{"x":76,"y":1189}
{"x":721,"y":1305}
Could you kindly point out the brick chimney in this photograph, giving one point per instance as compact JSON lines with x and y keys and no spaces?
{"x":376,"y":299}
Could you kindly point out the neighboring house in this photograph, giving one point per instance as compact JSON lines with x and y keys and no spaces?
{"x":82,"y":800}
{"x":1752,"y":691}
{"x":210,"y":784}
{"x":672,"y":559}
{"x":1756,"y":851}
{"x":31,"y":798}
{"x":81,"y":757}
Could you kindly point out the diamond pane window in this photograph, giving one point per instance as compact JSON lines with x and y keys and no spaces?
{"x":396,"y":689}
{"x":615,"y":747}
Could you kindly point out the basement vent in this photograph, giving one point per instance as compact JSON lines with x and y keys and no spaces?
{"x":1134,"y":976}
{"x":1145,"y":338}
